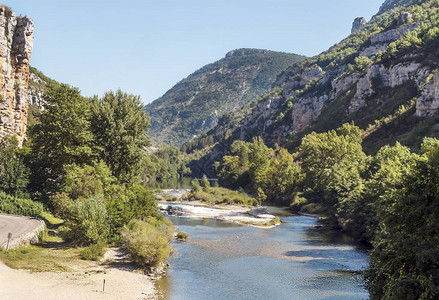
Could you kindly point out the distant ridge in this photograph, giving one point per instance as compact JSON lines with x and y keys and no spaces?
{"x":195,"y":104}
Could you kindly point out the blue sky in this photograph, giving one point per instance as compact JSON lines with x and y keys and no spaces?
{"x":145,"y":47}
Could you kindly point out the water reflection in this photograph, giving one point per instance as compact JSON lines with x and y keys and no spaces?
{"x":294,"y":261}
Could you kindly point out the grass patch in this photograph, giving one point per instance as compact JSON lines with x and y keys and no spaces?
{"x":50,"y":219}
{"x":93,"y":252}
{"x":52,"y":255}
{"x":221,"y":196}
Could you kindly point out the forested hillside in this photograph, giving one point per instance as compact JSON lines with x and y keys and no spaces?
{"x":383,"y":77}
{"x":194,"y":104}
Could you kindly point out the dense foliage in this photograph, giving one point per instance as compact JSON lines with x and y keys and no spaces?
{"x":405,"y":260}
{"x":119,"y":128}
{"x":389,"y":201}
{"x":14,"y":174}
{"x":271,"y":174}
{"x":84,"y":160}
{"x":62,"y":137}
{"x":166,"y":162}
{"x":19,"y":206}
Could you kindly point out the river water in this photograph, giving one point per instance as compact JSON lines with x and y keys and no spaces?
{"x":297,"y":260}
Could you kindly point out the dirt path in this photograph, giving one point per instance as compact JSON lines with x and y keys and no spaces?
{"x":120,"y":283}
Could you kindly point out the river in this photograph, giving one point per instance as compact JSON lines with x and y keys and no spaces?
{"x":297,"y":260}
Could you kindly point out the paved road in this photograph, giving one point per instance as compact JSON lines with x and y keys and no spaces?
{"x":16,"y":225}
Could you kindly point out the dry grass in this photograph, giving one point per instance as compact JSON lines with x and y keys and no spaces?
{"x":52,"y":255}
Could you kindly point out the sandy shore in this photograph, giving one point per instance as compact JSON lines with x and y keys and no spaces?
{"x":121,"y":282}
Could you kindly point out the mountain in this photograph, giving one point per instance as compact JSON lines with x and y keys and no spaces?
{"x":195,"y":104}
{"x":383,"y":77}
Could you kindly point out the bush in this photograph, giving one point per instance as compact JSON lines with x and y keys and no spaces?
{"x":148,"y":242}
{"x":205,"y":183}
{"x":18,"y":206}
{"x":182,"y":235}
{"x":125,"y":203}
{"x":88,"y":221}
{"x":93,"y":252}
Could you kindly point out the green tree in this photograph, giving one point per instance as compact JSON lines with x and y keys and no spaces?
{"x":81,"y":183}
{"x":125,"y":203}
{"x":332,"y":163}
{"x":119,"y":126}
{"x":260,"y":196}
{"x":195,"y":186}
{"x":205,"y":184}
{"x":14,"y":175}
{"x":282,"y":176}
{"x":259,"y":158}
{"x":62,"y":137}
{"x":230,"y":170}
{"x":405,"y":258}
{"x":234,"y":167}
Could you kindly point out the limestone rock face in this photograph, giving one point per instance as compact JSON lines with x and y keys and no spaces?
{"x":381,"y":41}
{"x":16,"y":43}
{"x":380,"y":76}
{"x":428,"y":102}
{"x":35,"y":92}
{"x":358,"y":23}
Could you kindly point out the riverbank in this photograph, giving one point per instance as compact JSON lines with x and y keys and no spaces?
{"x":228,"y":213}
{"x":73,"y":278}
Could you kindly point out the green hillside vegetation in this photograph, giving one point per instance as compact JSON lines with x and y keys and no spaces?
{"x":194,"y":104}
{"x":388,"y":116}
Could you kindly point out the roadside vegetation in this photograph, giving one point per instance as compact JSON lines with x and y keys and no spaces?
{"x":84,"y":162}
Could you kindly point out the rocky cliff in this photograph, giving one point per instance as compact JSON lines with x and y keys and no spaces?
{"x":16,"y":42}
{"x":384,"y":77}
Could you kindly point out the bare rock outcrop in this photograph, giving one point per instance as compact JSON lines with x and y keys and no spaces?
{"x":404,"y":18}
{"x":379,"y":42}
{"x":35,"y":92}
{"x":380,"y":76}
{"x":16,"y":43}
{"x":428,"y":102}
{"x":358,"y":23}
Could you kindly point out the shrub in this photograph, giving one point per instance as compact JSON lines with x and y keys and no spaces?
{"x":205,"y":183}
{"x":18,"y":206}
{"x":125,"y":203}
{"x":93,"y":252}
{"x":87,"y":221}
{"x":195,"y":185}
{"x":148,"y":242}
{"x":219,"y":195}
{"x":182,"y":235}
